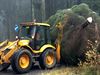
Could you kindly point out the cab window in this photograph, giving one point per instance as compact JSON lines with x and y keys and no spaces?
{"x":39,"y":37}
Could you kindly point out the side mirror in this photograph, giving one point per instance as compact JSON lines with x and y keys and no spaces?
{"x":89,"y":19}
{"x":17,"y":31}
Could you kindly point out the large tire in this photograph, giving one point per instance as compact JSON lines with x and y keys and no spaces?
{"x":4,"y":66}
{"x":48,"y":59}
{"x":21,"y":61}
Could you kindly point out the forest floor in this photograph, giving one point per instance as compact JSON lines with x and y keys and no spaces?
{"x":93,"y":70}
{"x":62,"y":70}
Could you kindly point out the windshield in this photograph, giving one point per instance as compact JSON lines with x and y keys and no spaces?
{"x":27,"y":31}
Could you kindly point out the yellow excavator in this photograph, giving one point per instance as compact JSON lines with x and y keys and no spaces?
{"x":32,"y":44}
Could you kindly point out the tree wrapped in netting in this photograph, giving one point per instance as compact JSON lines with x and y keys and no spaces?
{"x":75,"y":40}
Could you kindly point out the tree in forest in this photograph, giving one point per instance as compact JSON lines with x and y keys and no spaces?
{"x":94,"y":4}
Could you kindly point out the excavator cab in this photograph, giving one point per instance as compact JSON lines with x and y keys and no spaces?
{"x":38,"y":34}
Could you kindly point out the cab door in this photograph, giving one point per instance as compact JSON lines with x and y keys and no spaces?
{"x":39,"y":37}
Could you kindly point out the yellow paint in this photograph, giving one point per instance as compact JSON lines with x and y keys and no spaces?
{"x":24,"y":61}
{"x":1,"y":62}
{"x":49,"y":59}
{"x":60,"y":26}
{"x":58,"y":52}
{"x":23,"y":42}
{"x":4,"y":42}
{"x":0,"y":53}
{"x":13,"y":46}
{"x":11,"y":51}
{"x":34,"y":23}
{"x":9,"y":45}
{"x":16,"y":45}
{"x":44,"y":47}
{"x":42,"y":24}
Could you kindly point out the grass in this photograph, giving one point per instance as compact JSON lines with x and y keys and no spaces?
{"x":84,"y":70}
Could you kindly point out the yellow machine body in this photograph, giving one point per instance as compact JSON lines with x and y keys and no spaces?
{"x":16,"y":45}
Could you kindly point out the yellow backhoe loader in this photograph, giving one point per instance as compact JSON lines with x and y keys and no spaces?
{"x":32,"y":44}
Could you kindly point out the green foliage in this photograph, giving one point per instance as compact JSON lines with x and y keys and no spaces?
{"x":82,"y":10}
{"x":94,"y":4}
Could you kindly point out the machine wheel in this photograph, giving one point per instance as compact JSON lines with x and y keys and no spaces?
{"x":4,"y":66}
{"x":21,"y":61}
{"x":48,"y":59}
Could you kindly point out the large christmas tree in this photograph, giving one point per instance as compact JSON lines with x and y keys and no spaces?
{"x":75,"y":41}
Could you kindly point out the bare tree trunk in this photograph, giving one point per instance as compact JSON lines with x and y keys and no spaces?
{"x":43,"y":10}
